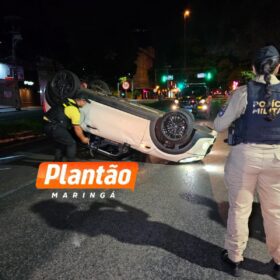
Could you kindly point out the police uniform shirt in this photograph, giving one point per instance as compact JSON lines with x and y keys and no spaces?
{"x":236,"y":105}
{"x":72,"y":112}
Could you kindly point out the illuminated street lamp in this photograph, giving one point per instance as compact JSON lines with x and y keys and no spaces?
{"x":186,"y":15}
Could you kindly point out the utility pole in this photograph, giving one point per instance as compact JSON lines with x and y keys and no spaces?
{"x":186,"y":15}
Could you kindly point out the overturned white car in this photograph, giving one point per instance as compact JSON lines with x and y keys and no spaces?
{"x":117,"y":125}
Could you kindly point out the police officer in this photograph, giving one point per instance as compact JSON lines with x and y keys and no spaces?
{"x":59,"y":120}
{"x":253,"y":113}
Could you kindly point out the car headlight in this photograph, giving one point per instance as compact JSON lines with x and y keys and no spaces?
{"x":202,"y":101}
{"x":174,"y":107}
{"x":204,"y":107}
{"x":176,"y":101}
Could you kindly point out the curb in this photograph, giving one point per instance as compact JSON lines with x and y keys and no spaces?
{"x":19,"y":137}
{"x":11,"y":146}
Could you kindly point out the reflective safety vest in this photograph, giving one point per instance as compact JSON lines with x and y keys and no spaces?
{"x":55,"y":115}
{"x":252,"y":127}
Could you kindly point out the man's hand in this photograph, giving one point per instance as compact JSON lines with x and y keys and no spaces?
{"x":79,"y":132}
{"x":85,"y":140}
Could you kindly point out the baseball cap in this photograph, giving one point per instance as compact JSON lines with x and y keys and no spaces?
{"x":82,"y":95}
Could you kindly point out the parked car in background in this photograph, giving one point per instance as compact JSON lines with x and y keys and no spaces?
{"x":195,"y":98}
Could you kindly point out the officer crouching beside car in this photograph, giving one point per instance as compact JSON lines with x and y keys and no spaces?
{"x":58,"y":121}
{"x":253,"y":116}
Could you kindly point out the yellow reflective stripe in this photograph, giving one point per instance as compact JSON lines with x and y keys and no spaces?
{"x":70,"y":101}
{"x":73,"y":114}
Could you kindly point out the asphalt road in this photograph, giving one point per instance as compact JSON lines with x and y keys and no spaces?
{"x":171,"y":227}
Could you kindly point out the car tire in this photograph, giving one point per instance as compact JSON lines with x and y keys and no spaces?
{"x":172,"y":132}
{"x":100,"y":87}
{"x":63,"y":85}
{"x":50,"y":97}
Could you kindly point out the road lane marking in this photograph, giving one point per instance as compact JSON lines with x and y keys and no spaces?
{"x":77,"y":239}
{"x":7,"y":168}
{"x":10,"y":158}
{"x":18,"y":188}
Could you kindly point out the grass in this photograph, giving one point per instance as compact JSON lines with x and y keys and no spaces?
{"x":19,"y":126}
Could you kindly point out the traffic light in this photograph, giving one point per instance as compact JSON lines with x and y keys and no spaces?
{"x":208,"y":76}
{"x":181,"y":85}
{"x":164,"y":78}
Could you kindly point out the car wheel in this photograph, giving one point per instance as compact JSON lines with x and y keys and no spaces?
{"x":172,"y":132}
{"x":100,"y":87}
{"x":64,"y":84}
{"x":50,"y":97}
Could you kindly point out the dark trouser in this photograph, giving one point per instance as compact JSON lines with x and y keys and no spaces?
{"x":64,"y":142}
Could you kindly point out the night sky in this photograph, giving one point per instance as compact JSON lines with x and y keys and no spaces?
{"x":103,"y":36}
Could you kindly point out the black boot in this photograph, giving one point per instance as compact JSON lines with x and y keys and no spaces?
{"x":234,"y":266}
{"x":276,"y":271}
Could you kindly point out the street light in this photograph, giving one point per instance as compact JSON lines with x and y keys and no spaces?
{"x":186,"y":15}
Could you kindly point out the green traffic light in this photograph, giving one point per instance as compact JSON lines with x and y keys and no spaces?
{"x":208,"y":76}
{"x":181,"y":86}
{"x":164,"y":78}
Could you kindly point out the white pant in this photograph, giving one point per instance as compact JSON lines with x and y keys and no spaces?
{"x":250,"y":167}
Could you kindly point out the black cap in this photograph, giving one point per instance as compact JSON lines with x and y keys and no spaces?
{"x":82,"y":95}
{"x":265,"y":53}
